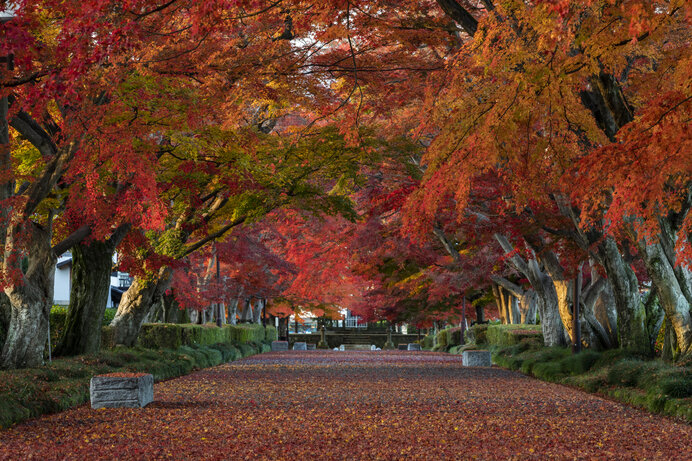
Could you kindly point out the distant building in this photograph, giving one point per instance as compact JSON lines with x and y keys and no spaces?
{"x":120,"y":282}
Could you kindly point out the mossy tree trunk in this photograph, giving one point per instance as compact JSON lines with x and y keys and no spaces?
{"x":5,"y":315}
{"x":92,"y":264}
{"x":30,"y":304}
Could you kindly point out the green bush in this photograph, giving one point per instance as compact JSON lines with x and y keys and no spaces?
{"x":427,"y":343}
{"x":651,"y":384}
{"x":507,"y":335}
{"x":247,"y":350}
{"x":454,"y":336}
{"x":161,"y":335}
{"x":677,"y":385}
{"x":442,"y":339}
{"x":579,"y":363}
{"x":626,"y":372}
{"x":31,"y":392}
{"x":247,"y":333}
{"x":476,"y":334}
{"x":174,"y":335}
{"x":108,"y":316}
{"x":271,"y":334}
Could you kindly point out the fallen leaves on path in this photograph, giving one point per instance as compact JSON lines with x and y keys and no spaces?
{"x":354,"y":405}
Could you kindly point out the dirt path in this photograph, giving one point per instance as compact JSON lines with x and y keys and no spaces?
{"x":354,"y":405}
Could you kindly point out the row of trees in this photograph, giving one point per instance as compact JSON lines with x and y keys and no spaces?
{"x":455,"y":147}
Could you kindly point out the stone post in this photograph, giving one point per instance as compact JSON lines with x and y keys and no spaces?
{"x":323,"y":340}
{"x":389,"y":344}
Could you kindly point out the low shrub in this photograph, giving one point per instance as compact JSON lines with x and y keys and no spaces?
{"x":247,"y":333}
{"x":454,"y":337}
{"x":651,"y":384}
{"x":442,"y":339}
{"x":174,"y":335}
{"x":271,"y":334}
{"x":679,"y":386}
{"x":579,"y":363}
{"x":507,"y":335}
{"x":476,"y":334}
{"x":31,"y":392}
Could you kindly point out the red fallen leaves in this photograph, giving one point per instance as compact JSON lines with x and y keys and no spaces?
{"x":123,"y":375}
{"x":354,"y":405}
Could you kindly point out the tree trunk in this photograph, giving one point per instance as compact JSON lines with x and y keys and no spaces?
{"x":233,"y":312}
{"x":136,"y":304}
{"x":5,"y":315}
{"x":257,"y":310}
{"x":631,"y":316}
{"x":30,"y":302}
{"x":551,"y":323}
{"x":673,"y":286}
{"x":91,"y":271}
{"x":246,"y":312}
{"x":171,"y":309}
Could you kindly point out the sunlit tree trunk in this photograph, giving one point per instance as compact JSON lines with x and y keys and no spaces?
{"x":136,"y":304}
{"x":674,"y":286}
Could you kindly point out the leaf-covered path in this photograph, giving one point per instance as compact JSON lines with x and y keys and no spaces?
{"x":354,"y":405}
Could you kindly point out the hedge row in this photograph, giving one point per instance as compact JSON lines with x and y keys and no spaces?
{"x":484,"y":334}
{"x":57,"y":317}
{"x":174,"y":335}
{"x":508,"y":335}
{"x":64,"y":383}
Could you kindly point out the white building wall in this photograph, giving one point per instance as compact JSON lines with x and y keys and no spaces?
{"x":63,"y":282}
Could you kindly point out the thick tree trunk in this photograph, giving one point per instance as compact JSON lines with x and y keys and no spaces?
{"x":30,"y":303}
{"x":548,"y":311}
{"x":529,"y":307}
{"x":171,"y":309}
{"x":246,"y":312}
{"x":136,"y":304}
{"x":543,"y":286}
{"x":257,"y":310}
{"x":5,"y":315}
{"x":673,"y":286}
{"x":91,"y":270}
{"x":232,"y":312}
{"x":631,"y":316}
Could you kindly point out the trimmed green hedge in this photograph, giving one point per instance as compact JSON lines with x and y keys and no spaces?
{"x":57,"y":317}
{"x":175,"y":335}
{"x":31,"y":392}
{"x":476,"y":334}
{"x":271,"y":334}
{"x":508,"y":335}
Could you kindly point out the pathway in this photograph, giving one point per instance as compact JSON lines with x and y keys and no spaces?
{"x":354,"y":405}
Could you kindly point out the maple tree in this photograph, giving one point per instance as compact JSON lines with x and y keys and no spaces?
{"x":550,"y":154}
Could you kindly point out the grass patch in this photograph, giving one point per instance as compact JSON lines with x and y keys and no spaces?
{"x":31,"y":392}
{"x":654,"y":385}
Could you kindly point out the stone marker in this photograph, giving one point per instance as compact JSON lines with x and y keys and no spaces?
{"x":279,"y":346}
{"x":476,"y":359}
{"x":413,"y":347}
{"x":115,"y":390}
{"x":300,"y":346}
{"x":312,"y":346}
